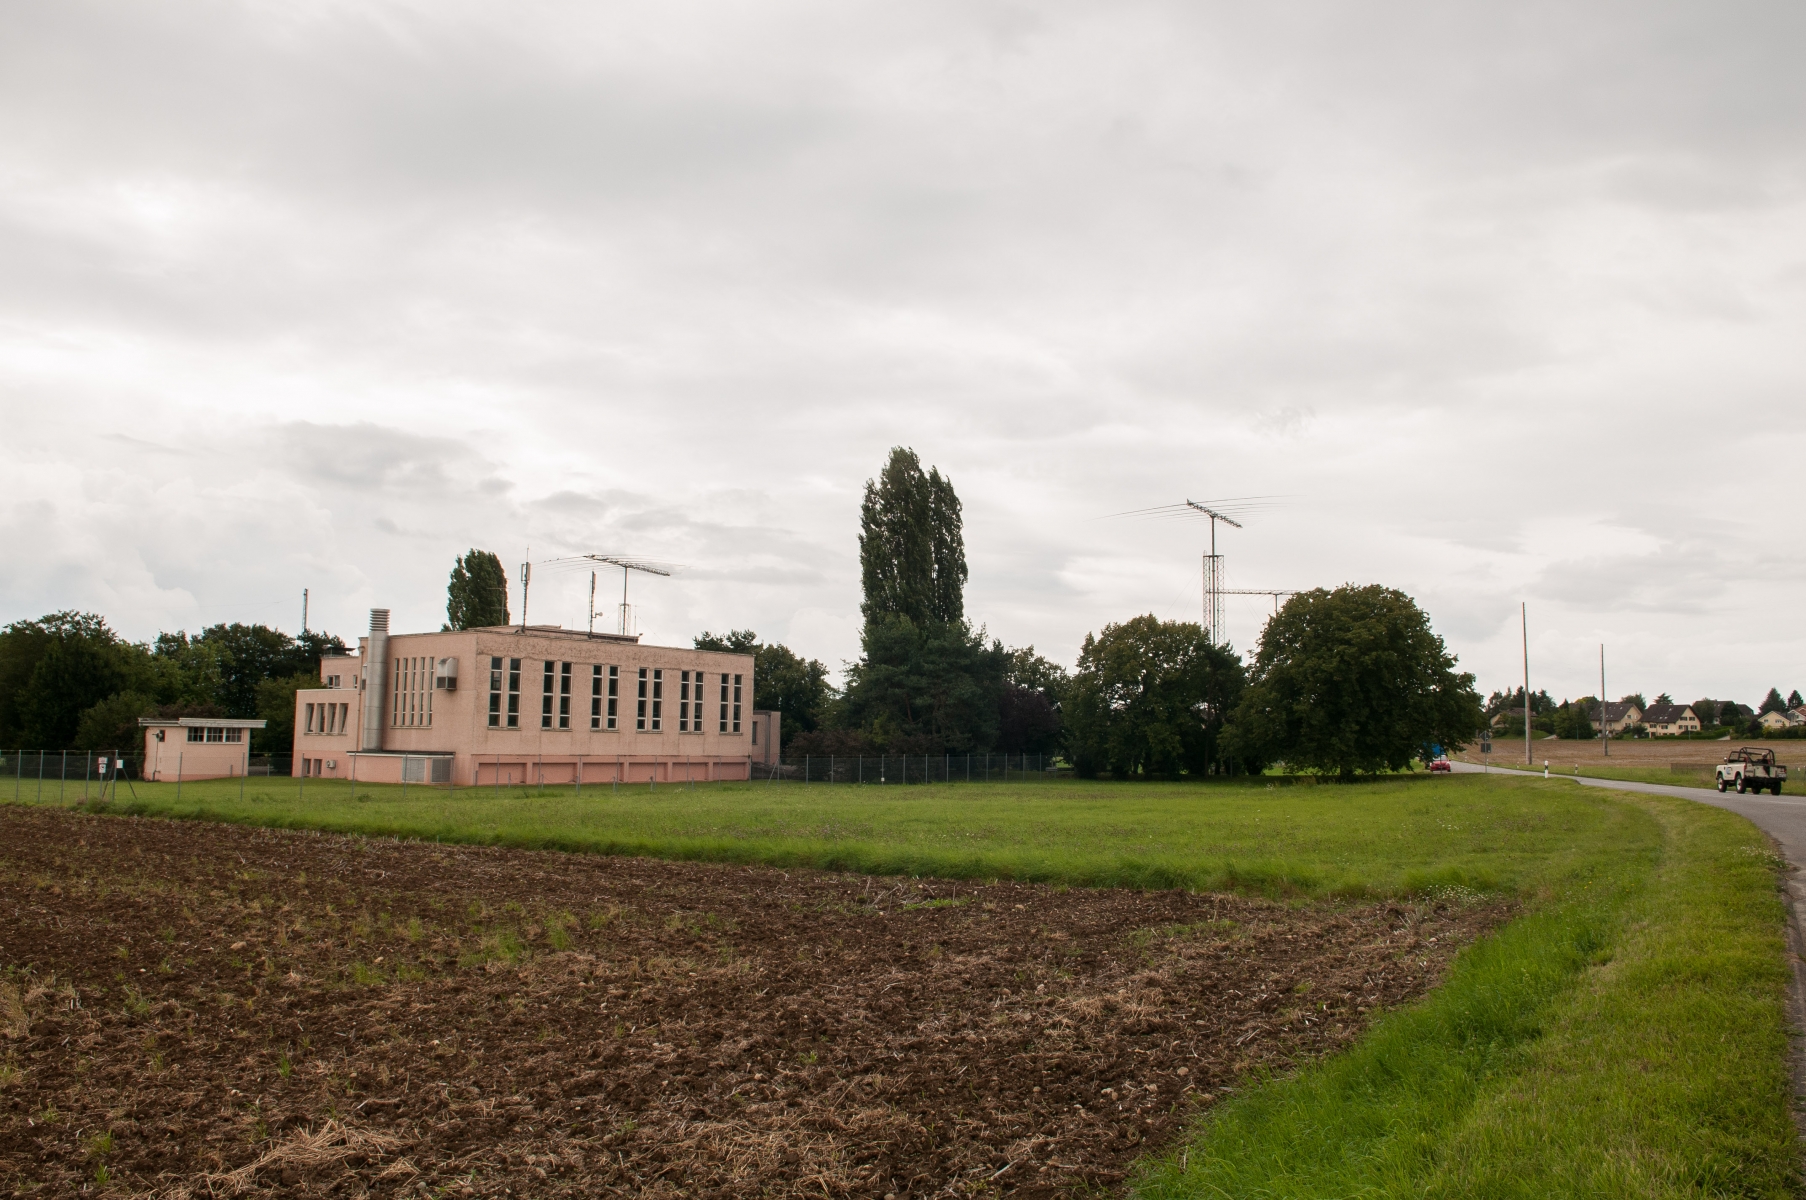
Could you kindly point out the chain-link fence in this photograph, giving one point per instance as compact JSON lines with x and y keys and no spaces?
{"x":70,"y":776}
{"x":63,"y":775}
{"x":910,"y":768}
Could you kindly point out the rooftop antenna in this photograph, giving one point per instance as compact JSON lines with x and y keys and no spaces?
{"x":526,"y":582}
{"x":1213,"y":573}
{"x":304,"y":612}
{"x":628,"y":566}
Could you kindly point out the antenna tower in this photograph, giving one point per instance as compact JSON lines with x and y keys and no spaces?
{"x":1213,"y":573}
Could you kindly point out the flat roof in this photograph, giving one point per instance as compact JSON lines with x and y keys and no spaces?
{"x":206,"y":722}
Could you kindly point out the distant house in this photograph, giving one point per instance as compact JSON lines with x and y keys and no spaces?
{"x":1620,"y":715}
{"x":1670,"y":720}
{"x":1786,"y":718}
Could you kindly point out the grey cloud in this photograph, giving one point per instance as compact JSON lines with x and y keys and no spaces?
{"x":388,"y":281}
{"x":373,"y":457}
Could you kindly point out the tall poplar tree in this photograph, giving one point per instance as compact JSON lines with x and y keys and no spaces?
{"x":912,"y":547}
{"x":477,"y":595}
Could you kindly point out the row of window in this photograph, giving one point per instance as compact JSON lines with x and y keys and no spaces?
{"x":328,"y":718}
{"x":605,"y":698}
{"x":213,"y":733}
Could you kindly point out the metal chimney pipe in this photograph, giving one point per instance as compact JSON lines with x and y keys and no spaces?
{"x":376,"y":675}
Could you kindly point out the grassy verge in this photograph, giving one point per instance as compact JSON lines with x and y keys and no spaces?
{"x":1626,"y":1038}
{"x":1391,"y":836}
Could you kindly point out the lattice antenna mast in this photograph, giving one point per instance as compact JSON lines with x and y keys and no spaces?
{"x":1213,"y":573}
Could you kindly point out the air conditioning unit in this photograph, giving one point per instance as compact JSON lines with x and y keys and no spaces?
{"x":331,"y":765}
{"x":445,"y":674}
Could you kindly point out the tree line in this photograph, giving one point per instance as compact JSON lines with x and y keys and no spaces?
{"x":1347,"y":680}
{"x":69,"y":682}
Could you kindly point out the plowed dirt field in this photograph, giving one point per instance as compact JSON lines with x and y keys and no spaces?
{"x":195,"y":1009}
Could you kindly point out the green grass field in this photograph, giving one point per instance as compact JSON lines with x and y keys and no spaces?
{"x":1624,"y":1037}
{"x":1395,"y":836}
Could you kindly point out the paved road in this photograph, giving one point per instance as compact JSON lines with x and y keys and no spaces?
{"x":1783,"y":818}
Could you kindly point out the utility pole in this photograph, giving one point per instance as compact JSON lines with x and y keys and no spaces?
{"x":1524,"y":614}
{"x":1605,"y":725}
{"x":304,"y":610}
{"x":592,"y":604}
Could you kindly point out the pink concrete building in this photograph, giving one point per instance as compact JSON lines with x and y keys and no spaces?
{"x":538,"y":704}
{"x":196,"y":747}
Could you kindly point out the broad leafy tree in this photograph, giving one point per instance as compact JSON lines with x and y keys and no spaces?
{"x":1149,"y":699}
{"x":1353,"y":680}
{"x":61,"y":666}
{"x":782,"y":679}
{"x":1029,"y":707}
{"x":477,"y":595}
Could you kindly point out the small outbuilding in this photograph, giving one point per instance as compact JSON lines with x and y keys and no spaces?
{"x":196,"y":747}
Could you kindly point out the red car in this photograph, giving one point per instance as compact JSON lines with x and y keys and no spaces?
{"x":1441,"y":764}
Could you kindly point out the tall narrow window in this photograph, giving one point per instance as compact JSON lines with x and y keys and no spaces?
{"x":595,"y":697}
{"x":640,"y":717}
{"x":614,"y":695}
{"x":545,"y":698}
{"x":495,"y":693}
{"x":724,"y":704}
{"x":658,"y":699}
{"x":514,"y":693}
{"x":683,"y":703}
{"x":564,"y":695}
{"x":736,"y":704}
{"x":310,"y":718}
{"x":411,"y":702}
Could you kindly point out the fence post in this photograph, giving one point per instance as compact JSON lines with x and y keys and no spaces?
{"x":178,"y":778}
{"x":830,"y":768}
{"x":87,"y":774}
{"x":577,"y":780}
{"x":805,"y":768}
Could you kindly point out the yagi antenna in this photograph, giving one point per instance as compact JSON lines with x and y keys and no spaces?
{"x":628,"y":566}
{"x":1213,"y":572}
{"x":1225,"y":510}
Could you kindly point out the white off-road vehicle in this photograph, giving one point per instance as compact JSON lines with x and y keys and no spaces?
{"x":1751,"y":769}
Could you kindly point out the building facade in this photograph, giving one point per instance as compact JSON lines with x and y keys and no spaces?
{"x":1670,"y":720}
{"x":535,"y":704}
{"x":196,"y":747}
{"x":1618,"y":715}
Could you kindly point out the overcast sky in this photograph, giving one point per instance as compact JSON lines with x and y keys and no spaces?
{"x":1505,"y":300}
